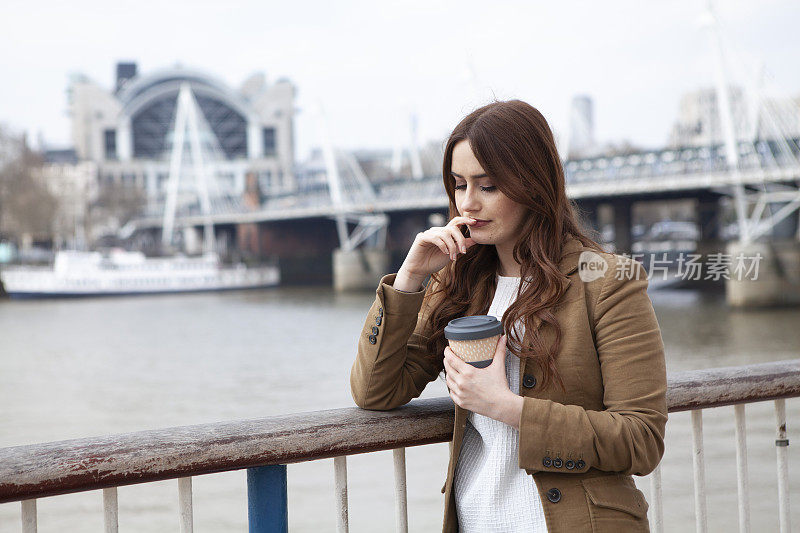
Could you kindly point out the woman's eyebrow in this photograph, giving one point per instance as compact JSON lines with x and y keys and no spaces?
{"x":476,"y":176}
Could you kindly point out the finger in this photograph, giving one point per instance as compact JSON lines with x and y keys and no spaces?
{"x":456,"y":399}
{"x":441,"y":244}
{"x":455,"y":379}
{"x":433,"y":237}
{"x":452,"y":248}
{"x":459,"y":239}
{"x":500,"y":352}
{"x":457,"y":221}
{"x":451,"y":359}
{"x":459,"y":366}
{"x":501,"y":345}
{"x":451,"y":384}
{"x":447,"y":368}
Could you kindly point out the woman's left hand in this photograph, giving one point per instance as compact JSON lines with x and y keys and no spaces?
{"x":483,"y":390}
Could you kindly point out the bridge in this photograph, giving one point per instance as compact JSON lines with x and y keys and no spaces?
{"x":643,"y":175}
{"x":301,"y":227}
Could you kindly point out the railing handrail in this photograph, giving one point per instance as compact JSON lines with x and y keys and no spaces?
{"x":62,"y":467}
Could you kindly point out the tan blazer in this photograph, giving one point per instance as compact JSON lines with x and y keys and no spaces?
{"x":582,"y":445}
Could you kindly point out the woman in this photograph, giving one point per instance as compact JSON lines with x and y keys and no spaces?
{"x":547,"y":436}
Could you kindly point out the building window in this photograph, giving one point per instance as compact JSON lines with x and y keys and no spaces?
{"x":110,"y":143}
{"x":269,"y":141}
{"x":152,"y":126}
{"x":265,"y":180}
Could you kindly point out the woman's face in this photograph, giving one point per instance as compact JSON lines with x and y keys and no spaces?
{"x":477,"y":197}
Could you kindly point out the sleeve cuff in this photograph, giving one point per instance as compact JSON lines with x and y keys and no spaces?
{"x":540,"y":450}
{"x":397,"y":302}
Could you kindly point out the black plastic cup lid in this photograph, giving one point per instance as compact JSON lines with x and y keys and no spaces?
{"x":469,"y":328}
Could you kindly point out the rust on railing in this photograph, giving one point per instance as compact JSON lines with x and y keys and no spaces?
{"x":63,"y":467}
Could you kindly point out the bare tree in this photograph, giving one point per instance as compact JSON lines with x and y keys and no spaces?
{"x":115,"y":205}
{"x":27,"y":208}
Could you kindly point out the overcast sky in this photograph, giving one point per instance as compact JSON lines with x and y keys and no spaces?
{"x":369,"y":63}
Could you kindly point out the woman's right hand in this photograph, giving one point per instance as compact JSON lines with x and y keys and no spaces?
{"x":434,"y":248}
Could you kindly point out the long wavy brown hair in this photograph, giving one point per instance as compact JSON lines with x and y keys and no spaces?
{"x":513,"y":143}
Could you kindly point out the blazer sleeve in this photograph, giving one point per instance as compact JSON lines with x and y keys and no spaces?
{"x":628,"y":435}
{"x":397,"y":367}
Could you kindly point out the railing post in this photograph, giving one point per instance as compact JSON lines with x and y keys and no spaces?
{"x":400,"y":497}
{"x":29,"y":516}
{"x":699,"y":468}
{"x":741,"y":469}
{"x":657,"y":507}
{"x":185,"y":504}
{"x":782,"y":451}
{"x":267,"y":501}
{"x":110,"y":510}
{"x":340,"y":486}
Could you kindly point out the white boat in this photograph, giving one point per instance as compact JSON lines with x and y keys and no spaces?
{"x":121,"y":272}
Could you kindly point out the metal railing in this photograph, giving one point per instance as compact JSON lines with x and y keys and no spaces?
{"x":265,"y":446}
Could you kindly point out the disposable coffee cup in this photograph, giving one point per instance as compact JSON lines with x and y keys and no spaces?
{"x":474,"y":338}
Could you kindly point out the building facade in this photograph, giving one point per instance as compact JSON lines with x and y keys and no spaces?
{"x":127,"y":131}
{"x":699,"y":122}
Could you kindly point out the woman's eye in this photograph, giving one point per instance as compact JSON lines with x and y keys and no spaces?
{"x":489,"y":188}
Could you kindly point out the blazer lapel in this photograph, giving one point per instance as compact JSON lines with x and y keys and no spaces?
{"x":570,"y":253}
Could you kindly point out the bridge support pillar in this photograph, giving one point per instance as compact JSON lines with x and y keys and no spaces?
{"x":777,"y":281}
{"x":359,"y":269}
{"x":623,"y":219}
{"x":192,"y":240}
{"x":709,"y":219}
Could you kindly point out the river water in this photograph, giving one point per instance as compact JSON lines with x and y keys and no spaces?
{"x":78,"y":368}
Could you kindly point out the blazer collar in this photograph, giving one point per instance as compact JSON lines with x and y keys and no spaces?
{"x":570,"y":253}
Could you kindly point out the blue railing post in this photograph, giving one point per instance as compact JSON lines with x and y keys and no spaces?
{"x":267,"y":502}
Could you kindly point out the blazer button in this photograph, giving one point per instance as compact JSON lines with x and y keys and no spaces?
{"x":547,"y":462}
{"x":372,"y":339}
{"x":554,"y":495}
{"x":570,"y":464}
{"x":378,"y":320}
{"x":380,"y":311}
{"x":557,"y":462}
{"x":580,"y":465}
{"x":529,"y":381}
{"x":374,"y":330}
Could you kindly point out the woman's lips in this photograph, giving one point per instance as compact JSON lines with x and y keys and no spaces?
{"x":480,"y":223}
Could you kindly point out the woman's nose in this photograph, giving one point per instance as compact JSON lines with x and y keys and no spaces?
{"x":469,"y":202}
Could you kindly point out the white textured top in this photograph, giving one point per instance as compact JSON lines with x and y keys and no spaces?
{"x":492,"y":492}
